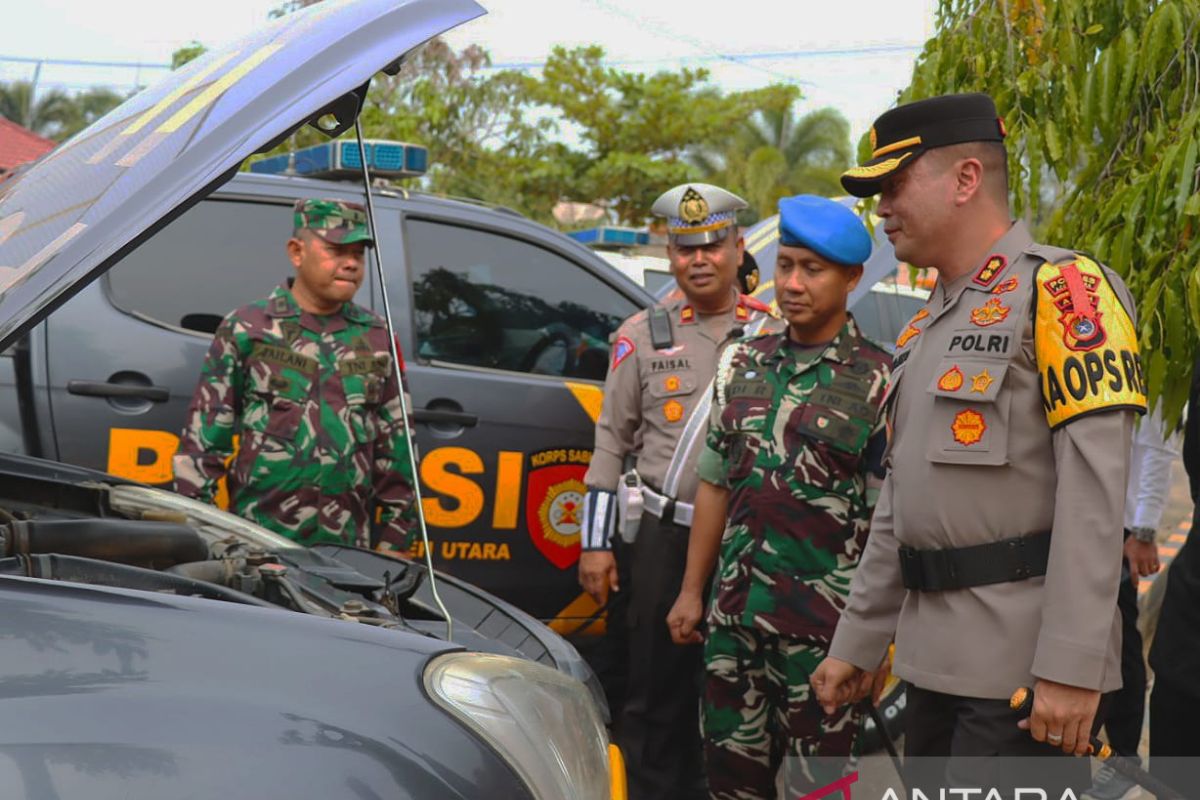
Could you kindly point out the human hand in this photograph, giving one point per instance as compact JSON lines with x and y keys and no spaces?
{"x":1143,"y":558}
{"x":684,"y":618}
{"x":598,"y":574}
{"x":836,"y":683}
{"x":1062,"y":716}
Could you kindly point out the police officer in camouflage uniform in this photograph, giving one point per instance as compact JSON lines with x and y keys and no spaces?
{"x":304,"y":378}
{"x":655,"y":408}
{"x":796,"y":435}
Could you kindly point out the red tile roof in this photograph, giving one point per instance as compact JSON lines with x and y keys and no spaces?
{"x":18,"y":145}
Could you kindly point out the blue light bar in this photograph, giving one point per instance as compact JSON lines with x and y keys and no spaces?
{"x":339,"y":159}
{"x":609,"y":236}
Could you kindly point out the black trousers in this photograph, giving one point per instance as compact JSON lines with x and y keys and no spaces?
{"x":954,"y":742}
{"x":659,"y":727}
{"x":1174,"y":741}
{"x":1126,"y":707}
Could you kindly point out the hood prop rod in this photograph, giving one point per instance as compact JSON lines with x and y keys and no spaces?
{"x":412,"y":448}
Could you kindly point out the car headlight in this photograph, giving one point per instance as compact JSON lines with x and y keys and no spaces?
{"x":544,"y":723}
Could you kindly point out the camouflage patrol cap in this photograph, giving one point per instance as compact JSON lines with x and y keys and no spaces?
{"x":335,"y":221}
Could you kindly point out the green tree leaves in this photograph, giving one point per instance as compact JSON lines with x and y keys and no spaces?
{"x":1102,"y":103}
{"x":54,"y":113}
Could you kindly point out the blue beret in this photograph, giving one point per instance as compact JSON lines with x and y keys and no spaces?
{"x":824,"y":226}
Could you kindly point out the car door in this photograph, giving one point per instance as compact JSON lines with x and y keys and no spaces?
{"x":122,"y":357}
{"x":507,"y":349}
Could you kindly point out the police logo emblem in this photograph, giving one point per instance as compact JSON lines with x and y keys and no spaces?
{"x":622,"y":349}
{"x":561,"y":512}
{"x":968,"y":427}
{"x":1081,"y":332}
{"x":912,"y":331}
{"x":989,"y":313}
{"x":693,"y":208}
{"x":981,"y":382}
{"x":952,"y":380}
{"x":1008,"y":285}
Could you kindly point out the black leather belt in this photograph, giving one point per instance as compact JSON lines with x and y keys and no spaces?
{"x":978,"y":565}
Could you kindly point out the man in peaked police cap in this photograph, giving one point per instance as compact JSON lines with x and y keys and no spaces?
{"x":656,"y":401}
{"x":795,"y":438}
{"x":995,"y":550}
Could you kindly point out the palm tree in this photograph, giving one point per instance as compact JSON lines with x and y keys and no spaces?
{"x":45,"y":115}
{"x":53,"y":113}
{"x":775,"y":154}
{"x":87,"y":107}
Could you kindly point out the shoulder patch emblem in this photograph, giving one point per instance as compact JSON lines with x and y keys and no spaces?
{"x":989,"y":313}
{"x":952,"y":380}
{"x":968,"y":427}
{"x":981,"y":382}
{"x":988,"y":272}
{"x":1085,"y":343}
{"x":1007,"y":285}
{"x":911,"y":331}
{"x":622,"y":349}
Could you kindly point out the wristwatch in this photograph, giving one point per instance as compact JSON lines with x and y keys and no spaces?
{"x":1144,"y":534}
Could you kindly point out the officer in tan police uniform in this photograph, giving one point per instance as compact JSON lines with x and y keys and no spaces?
{"x":995,"y":551}
{"x":656,"y":404}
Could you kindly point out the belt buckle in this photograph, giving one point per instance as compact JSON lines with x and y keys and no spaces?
{"x":1020,"y":564}
{"x":910,"y":568}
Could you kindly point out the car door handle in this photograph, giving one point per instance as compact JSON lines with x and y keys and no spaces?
{"x":155,"y":394}
{"x":436,"y":415}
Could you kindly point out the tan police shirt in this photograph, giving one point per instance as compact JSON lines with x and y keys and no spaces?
{"x":653,"y":397}
{"x":973,"y":459}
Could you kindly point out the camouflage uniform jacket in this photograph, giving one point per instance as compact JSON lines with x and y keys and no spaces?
{"x":794,"y":439}
{"x":315,"y":403}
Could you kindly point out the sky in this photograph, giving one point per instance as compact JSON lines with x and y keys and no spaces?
{"x":854,"y":55}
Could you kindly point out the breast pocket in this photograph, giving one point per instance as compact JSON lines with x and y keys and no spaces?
{"x":671,"y":395}
{"x":744,"y":419}
{"x":275,"y":400}
{"x":970,"y":419}
{"x":363,"y":393}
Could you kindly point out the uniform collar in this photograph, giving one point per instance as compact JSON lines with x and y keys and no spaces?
{"x":743,"y":310}
{"x":996,"y":266}
{"x":282,"y":305}
{"x":840,"y":351}
{"x":990,"y":273}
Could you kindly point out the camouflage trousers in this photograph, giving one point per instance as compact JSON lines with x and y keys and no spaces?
{"x":760,"y":714}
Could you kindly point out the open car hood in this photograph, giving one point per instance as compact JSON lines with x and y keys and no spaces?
{"x":79,"y":210}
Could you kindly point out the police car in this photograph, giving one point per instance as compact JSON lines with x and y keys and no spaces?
{"x":504,"y":325}
{"x":156,"y":647}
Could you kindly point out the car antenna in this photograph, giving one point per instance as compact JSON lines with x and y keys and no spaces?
{"x":408,"y":438}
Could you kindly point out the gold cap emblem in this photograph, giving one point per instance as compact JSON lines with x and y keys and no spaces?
{"x":693,"y":208}
{"x":874,"y":142}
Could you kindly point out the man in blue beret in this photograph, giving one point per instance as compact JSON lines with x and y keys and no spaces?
{"x":787,"y":479}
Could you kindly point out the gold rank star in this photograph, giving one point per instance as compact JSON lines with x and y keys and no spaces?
{"x":981,"y":382}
